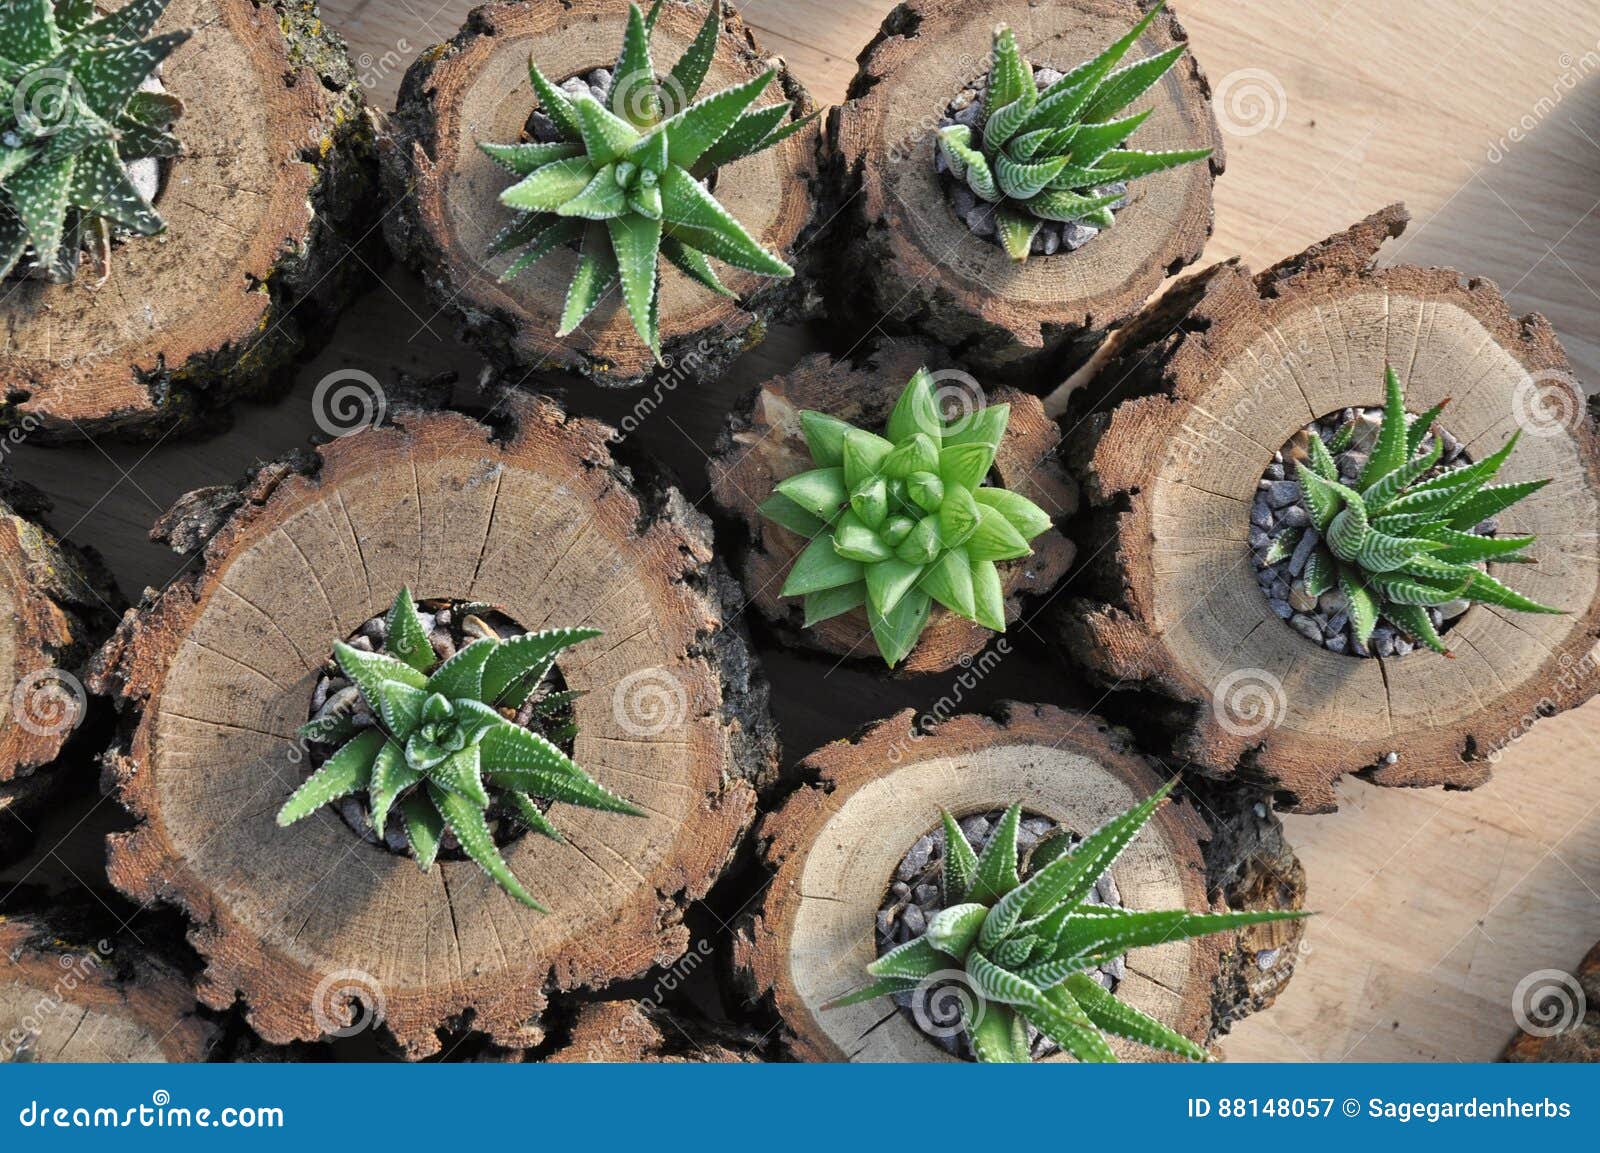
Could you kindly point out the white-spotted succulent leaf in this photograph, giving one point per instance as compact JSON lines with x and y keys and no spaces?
{"x":1402,"y":538}
{"x":78,"y":106}
{"x":625,"y":184}
{"x":1028,"y":942}
{"x":447,"y":750}
{"x":1051,"y":154}
{"x":903,"y":520}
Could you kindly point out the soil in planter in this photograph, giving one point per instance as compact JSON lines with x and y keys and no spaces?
{"x":1278,"y":512}
{"x":451,"y":625}
{"x":914,"y":896}
{"x":978,"y":215}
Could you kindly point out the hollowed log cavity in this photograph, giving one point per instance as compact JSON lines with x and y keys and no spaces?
{"x":835,"y":847}
{"x":1172,"y":473}
{"x":217,"y":672}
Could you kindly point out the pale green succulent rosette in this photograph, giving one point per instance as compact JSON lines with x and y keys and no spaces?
{"x":73,"y":115}
{"x":1400,"y":540}
{"x":626,"y":182}
{"x":444,"y":751}
{"x":1041,"y":155}
{"x":1028,"y":943}
{"x":902,"y":521}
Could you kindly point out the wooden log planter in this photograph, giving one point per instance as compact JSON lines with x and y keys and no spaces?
{"x":274,"y":186}
{"x":476,"y":88}
{"x":56,"y":605}
{"x":764,"y":444}
{"x":1229,"y":367}
{"x":536,"y":518}
{"x":909,"y":260}
{"x":70,"y":1000}
{"x":1559,"y":1015}
{"x":836,"y":845}
{"x":611,"y":1032}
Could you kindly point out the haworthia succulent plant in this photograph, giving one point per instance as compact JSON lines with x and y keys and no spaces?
{"x":1046,"y":155}
{"x":1027,"y":940}
{"x":901,"y":520}
{"x":76,"y":108}
{"x":1400,"y":538}
{"x":446,"y":748}
{"x":626,"y":182}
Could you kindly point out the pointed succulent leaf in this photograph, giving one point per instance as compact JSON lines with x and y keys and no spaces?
{"x":915,"y":959}
{"x":634,"y":94}
{"x":949,"y":581}
{"x":525,"y":159}
{"x":1486,"y":590}
{"x":882,"y":987}
{"x":1068,"y":880}
{"x":829,"y":603}
{"x":824,"y":437}
{"x":693,"y":264}
{"x":988,"y":595}
{"x":557,"y":104}
{"x":1127,"y":84}
{"x":550,"y":186}
{"x":1063,"y":205}
{"x":108,"y":74}
{"x":1320,"y":460}
{"x":1348,"y":531}
{"x":683,"y":83}
{"x":821,"y":491}
{"x":819,"y":567}
{"x":953,"y":930}
{"x":996,"y":538}
{"x":515,"y":666}
{"x":1117,"y":1017}
{"x":390,"y":777}
{"x":346,"y":772}
{"x":999,"y":1035}
{"x":916,"y":411}
{"x":1058,"y":1016}
{"x":466,"y":821}
{"x":529,"y":815}
{"x":692,"y":132}
{"x":1097,"y":939}
{"x":1491,"y":501}
{"x":636,"y":240}
{"x":1415,"y":622}
{"x":791,"y":516}
{"x":960,"y":863}
{"x":1393,"y":483}
{"x":591,"y":280}
{"x":1321,"y":497}
{"x":996,"y":873}
{"x":1321,"y":573}
{"x":1026,"y":517}
{"x":694,"y":217}
{"x":896,"y":631}
{"x":424,"y":829}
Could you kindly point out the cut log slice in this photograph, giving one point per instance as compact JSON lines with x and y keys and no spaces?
{"x":476,"y":88}
{"x":536,"y":519}
{"x":277,"y":170}
{"x":764,"y":443}
{"x":919,"y":265}
{"x":56,"y":605}
{"x":95,"y":1001}
{"x":1171,"y":475}
{"x":1563,"y":1009}
{"x":835,"y":847}
{"x":610,"y":1032}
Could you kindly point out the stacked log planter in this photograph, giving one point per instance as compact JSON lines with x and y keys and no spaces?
{"x":536,"y":518}
{"x":476,"y":88}
{"x":56,"y":605}
{"x":93,"y":1000}
{"x":275,"y":185}
{"x":909,"y":261}
{"x":764,"y":444}
{"x":835,"y":846}
{"x":1229,"y":366}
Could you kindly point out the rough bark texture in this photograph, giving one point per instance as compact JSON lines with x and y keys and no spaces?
{"x":216,"y":674}
{"x":834,"y":847}
{"x":633,"y":1031}
{"x":275,"y":186}
{"x":909,"y":261}
{"x":1221,"y":375}
{"x":56,"y":604}
{"x":446,"y":191}
{"x":1580,"y":1042}
{"x":764,"y":444}
{"x":66,"y":1000}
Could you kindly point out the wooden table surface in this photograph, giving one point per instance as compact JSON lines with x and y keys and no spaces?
{"x":1484,"y":117}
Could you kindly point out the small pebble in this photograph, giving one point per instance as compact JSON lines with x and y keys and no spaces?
{"x":981,"y":221}
{"x":1283,"y":608}
{"x":1450,"y":610}
{"x":915,"y":920}
{"x":1295,"y":516}
{"x":1306,"y":627}
{"x":1302,"y":600}
{"x":1282,"y":493}
{"x":1044,"y":77}
{"x":917,"y":859}
{"x":1275,"y":471}
{"x":1390,"y":758}
{"x":963,"y":200}
{"x":1335,"y":641}
{"x":1302,"y":551}
{"x":1075,"y":235}
{"x":1351,"y":464}
{"x":364,"y":644}
{"x":970,"y":115}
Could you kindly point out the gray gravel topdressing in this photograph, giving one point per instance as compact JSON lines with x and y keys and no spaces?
{"x":914,"y":897}
{"x":450,"y":629}
{"x":1278,"y":510}
{"x":978,"y":215}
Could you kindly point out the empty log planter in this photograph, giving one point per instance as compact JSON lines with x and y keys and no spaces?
{"x":839,"y":845}
{"x":764,"y":443}
{"x":536,"y":523}
{"x":273,"y":186}
{"x":1231,"y":366}
{"x":56,"y":605}
{"x":909,"y":257}
{"x":63,"y":999}
{"x":447,"y":192}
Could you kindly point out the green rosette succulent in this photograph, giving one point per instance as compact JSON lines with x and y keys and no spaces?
{"x":75,"y":111}
{"x":1046,"y":155}
{"x":902,"y":520}
{"x":1401,"y":539}
{"x":626,"y":182}
{"x":1026,"y":940}
{"x":445,"y":748}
